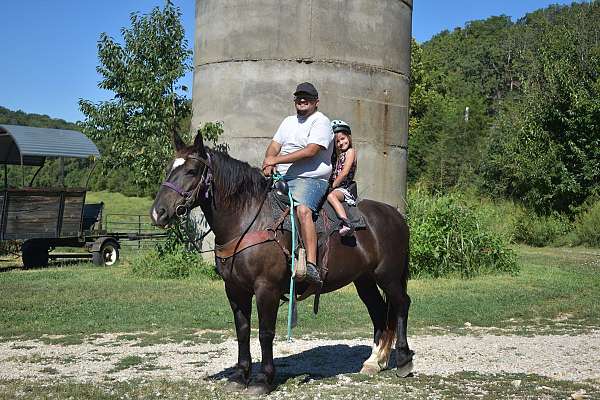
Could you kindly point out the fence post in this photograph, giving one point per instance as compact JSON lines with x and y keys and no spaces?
{"x":139,"y":231}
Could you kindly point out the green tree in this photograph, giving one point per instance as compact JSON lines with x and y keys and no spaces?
{"x":470,"y":68}
{"x":136,"y":125}
{"x":545,"y":147}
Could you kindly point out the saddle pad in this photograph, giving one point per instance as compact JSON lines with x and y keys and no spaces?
{"x":327,"y":220}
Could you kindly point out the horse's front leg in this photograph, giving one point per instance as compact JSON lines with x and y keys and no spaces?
{"x":267,"y":304}
{"x":241,"y":305}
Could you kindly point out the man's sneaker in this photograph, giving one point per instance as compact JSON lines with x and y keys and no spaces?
{"x":313,"y":279}
{"x":312,"y":275}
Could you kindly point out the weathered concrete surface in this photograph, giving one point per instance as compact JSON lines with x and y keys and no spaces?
{"x":249,"y":55}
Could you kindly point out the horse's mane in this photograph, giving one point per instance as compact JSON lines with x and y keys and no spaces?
{"x":235,"y":181}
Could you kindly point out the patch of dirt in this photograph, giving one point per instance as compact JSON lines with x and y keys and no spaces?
{"x":102,"y":358}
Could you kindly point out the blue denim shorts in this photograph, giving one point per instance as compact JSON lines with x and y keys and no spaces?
{"x":308,"y":191}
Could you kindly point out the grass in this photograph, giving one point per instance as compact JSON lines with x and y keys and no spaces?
{"x":127,"y":362}
{"x":80,"y":300}
{"x":119,"y":203}
{"x":384,"y":386}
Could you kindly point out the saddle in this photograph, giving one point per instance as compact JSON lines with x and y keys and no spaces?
{"x":327,"y":223}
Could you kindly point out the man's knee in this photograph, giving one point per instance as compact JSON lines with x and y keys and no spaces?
{"x":304,"y":212}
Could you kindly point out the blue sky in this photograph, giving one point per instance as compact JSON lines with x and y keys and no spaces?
{"x":49,"y":52}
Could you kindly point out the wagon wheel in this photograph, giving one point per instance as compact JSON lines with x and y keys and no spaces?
{"x":107,"y":255}
{"x":35,"y":253}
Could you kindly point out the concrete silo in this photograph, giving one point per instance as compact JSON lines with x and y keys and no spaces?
{"x":249,"y":56}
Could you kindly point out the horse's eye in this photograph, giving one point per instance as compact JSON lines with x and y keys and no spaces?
{"x":190,"y":172}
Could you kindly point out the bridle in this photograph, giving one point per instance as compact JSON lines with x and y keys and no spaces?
{"x":188,"y":198}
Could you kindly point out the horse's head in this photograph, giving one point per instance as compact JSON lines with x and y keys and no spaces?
{"x":187,"y":184}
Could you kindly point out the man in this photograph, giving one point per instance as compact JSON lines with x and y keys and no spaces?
{"x":301,"y":150}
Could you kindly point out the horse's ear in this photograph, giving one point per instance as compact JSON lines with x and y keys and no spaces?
{"x":178,"y":143}
{"x":199,"y":145}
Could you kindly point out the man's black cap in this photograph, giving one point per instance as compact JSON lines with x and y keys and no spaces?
{"x":307,"y":90}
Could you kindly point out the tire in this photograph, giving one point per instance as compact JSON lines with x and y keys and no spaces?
{"x":108,"y":254}
{"x":35,"y":253}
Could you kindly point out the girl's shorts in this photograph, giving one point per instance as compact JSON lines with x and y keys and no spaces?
{"x":348,"y":197}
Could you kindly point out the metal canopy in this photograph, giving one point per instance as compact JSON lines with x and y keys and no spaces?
{"x":31,"y":146}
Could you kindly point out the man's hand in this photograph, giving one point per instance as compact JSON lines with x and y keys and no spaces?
{"x":268,"y":165}
{"x":267,"y":170}
{"x":270,"y":161}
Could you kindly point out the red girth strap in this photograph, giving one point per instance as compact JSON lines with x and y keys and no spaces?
{"x":252,"y":238}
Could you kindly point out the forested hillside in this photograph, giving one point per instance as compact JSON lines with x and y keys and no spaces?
{"x":41,"y":121}
{"x":511,"y":109}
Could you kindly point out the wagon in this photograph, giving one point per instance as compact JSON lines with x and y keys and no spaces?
{"x":46,"y":218}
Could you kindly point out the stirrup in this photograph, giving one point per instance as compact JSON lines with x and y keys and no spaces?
{"x":300,"y":266}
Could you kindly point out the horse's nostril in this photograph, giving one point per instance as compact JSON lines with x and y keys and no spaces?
{"x":157,"y":214}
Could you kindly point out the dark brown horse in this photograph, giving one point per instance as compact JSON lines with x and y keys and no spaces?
{"x":232,"y":196}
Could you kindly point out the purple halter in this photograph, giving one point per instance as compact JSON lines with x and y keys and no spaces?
{"x":189,"y":197}
{"x":177,"y":189}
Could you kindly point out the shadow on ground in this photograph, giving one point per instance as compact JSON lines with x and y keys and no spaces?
{"x":317,"y":363}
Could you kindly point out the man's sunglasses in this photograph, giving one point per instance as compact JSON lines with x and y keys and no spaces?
{"x":301,"y":100}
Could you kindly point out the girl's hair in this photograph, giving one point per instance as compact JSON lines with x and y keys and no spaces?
{"x":335,"y":154}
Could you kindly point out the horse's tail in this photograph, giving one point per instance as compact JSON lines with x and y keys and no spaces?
{"x":392,"y":313}
{"x":392,"y":318}
{"x":406,"y":262}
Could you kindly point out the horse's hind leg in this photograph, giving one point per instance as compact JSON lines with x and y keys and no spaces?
{"x":241,"y":305}
{"x":404,"y":354}
{"x":395,"y":290}
{"x":383,"y":332}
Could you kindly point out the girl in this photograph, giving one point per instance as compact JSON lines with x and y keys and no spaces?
{"x":342,"y":177}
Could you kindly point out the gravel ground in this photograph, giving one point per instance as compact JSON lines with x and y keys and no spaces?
{"x":107,"y":357}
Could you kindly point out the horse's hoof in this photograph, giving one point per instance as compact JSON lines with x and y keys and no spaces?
{"x":258,"y":389}
{"x":404,"y":364}
{"x":234,"y":387}
{"x":405,"y":370}
{"x":369,"y":369}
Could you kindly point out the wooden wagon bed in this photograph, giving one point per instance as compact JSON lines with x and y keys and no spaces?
{"x":41,"y":213}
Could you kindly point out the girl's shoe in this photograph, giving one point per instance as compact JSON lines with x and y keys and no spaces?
{"x":347,"y":228}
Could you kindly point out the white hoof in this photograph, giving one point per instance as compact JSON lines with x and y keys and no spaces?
{"x":370,"y":369}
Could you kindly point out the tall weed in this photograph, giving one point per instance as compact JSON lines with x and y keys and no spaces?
{"x":500,"y":216}
{"x":448,"y":239}
{"x":541,"y":230}
{"x":587,"y":226}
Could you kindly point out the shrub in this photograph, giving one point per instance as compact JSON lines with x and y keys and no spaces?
{"x":171,"y":266}
{"x":587,"y":226}
{"x":447,"y":239}
{"x":540,"y":231}
{"x":172,"y":260}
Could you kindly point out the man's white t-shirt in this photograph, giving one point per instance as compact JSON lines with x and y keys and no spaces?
{"x":296,"y":133}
